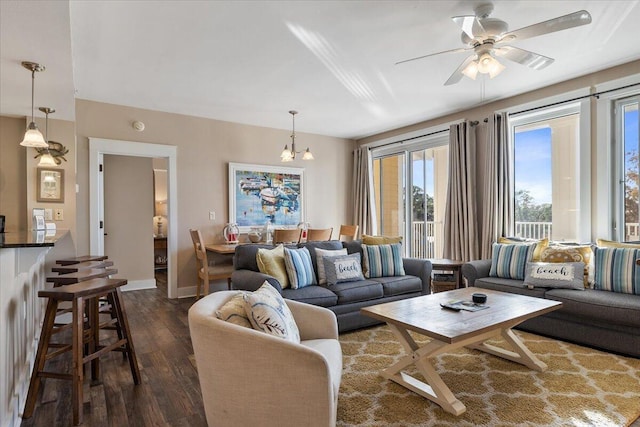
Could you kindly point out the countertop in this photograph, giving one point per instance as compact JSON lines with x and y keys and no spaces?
{"x":30,"y":239}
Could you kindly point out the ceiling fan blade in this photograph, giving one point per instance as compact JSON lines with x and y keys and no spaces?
{"x":524,"y":57}
{"x":560,"y":23}
{"x":457,"y":74}
{"x":433,"y":54}
{"x":470,"y":25}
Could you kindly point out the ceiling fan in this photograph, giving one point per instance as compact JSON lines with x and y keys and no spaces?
{"x":487,"y":38}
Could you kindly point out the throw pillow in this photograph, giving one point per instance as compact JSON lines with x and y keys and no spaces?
{"x":541,"y":245}
{"x":611,"y":244}
{"x":382,"y":260}
{"x":560,"y":253}
{"x":342,"y":268}
{"x":320,"y":254}
{"x":567,"y":275}
{"x":271,"y":262}
{"x":233,"y":311}
{"x":509,"y":261}
{"x":299,"y":267}
{"x":268,"y":312}
{"x":617,"y":271}
{"x":380,"y":240}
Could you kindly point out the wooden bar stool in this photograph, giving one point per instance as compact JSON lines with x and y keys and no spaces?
{"x":81,"y":294}
{"x":79,"y":259}
{"x":81,"y":276}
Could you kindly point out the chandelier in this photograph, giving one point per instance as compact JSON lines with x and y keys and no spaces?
{"x":33,"y":137}
{"x":290,"y":155}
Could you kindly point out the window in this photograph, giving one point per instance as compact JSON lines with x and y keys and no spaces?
{"x":628,"y":143}
{"x":413,"y":211}
{"x":548,"y":155}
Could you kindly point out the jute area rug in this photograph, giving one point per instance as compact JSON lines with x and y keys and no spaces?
{"x":581,"y":386}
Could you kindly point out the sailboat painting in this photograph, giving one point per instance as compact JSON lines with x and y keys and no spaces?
{"x":259,"y":194}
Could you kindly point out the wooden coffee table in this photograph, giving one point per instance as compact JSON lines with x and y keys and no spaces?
{"x":450,"y":330}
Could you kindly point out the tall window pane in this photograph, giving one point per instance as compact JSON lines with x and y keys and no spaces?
{"x":389,"y":191}
{"x":628,"y":130}
{"x":546,"y":175}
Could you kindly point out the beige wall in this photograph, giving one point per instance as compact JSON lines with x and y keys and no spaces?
{"x":128,"y":216}
{"x":205,"y":147}
{"x":13,"y":187}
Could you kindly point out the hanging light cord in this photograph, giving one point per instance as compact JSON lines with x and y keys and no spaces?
{"x":33,"y":83}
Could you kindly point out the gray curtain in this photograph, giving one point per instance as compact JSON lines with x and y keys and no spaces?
{"x":497,"y":212}
{"x":460,"y":228}
{"x":363,"y":208}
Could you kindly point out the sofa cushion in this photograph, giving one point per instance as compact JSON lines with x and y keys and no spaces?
{"x":398,"y":285}
{"x":342,"y":268}
{"x":244,"y":257}
{"x":271,"y":262}
{"x":611,"y":244}
{"x":268,"y":313}
{"x":327,"y":245}
{"x":616,"y":270}
{"x":299,"y":267}
{"x":353,"y":246}
{"x":233,"y":311}
{"x":540,"y":244}
{"x":320,"y":253}
{"x":380,"y":240}
{"x":508,"y":261}
{"x":509,"y":285}
{"x":316,"y":295}
{"x":567,"y":275}
{"x":608,"y":307}
{"x":382,"y":260}
{"x":571,"y":253}
{"x":362,"y":290}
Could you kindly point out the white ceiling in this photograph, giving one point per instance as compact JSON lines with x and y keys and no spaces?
{"x":251,"y":62}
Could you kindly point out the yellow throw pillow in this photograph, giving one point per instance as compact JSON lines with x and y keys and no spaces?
{"x":611,"y":244}
{"x":572,"y":254}
{"x":537,"y":253}
{"x":380,"y":240}
{"x":271,"y":262}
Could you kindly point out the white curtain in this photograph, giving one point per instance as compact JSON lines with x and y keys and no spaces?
{"x":460,"y":228}
{"x":362,"y":194}
{"x":497,"y":213}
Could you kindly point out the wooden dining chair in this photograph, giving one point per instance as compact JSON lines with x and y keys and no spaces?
{"x":287,"y":235}
{"x":206,"y":272}
{"x":348,"y":231}
{"x":319,"y":234}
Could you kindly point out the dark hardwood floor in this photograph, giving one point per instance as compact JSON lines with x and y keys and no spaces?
{"x":169,"y":394}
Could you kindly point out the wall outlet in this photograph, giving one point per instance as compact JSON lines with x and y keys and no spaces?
{"x":48,"y":214}
{"x":212,"y":215}
{"x":59,"y":214}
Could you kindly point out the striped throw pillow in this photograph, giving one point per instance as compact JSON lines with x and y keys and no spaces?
{"x":299,"y":267}
{"x":510,"y":261}
{"x":382,"y":260}
{"x":616,"y":270}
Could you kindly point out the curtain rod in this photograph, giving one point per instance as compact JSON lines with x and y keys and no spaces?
{"x":409,"y":139}
{"x":596,"y":95}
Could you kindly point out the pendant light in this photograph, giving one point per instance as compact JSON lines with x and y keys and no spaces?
{"x":33,"y":137}
{"x":46,"y":159}
{"x":290,"y":155}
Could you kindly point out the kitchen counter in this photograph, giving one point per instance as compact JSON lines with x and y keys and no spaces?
{"x":30,"y":239}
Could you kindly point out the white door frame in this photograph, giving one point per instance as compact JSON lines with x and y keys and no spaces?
{"x":98,"y":147}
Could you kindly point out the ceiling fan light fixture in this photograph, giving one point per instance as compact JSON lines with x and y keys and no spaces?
{"x":471,"y":70}
{"x":496,"y":68}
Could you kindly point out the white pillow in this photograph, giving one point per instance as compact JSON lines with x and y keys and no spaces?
{"x":268,"y":313}
{"x":320,"y":253}
{"x":233,"y":311}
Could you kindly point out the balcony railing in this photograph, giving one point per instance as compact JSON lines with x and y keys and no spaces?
{"x":533,"y":230}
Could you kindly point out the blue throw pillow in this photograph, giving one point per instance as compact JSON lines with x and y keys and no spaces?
{"x":342,"y":268}
{"x":299,"y":267}
{"x":382,"y":260}
{"x":616,"y":270}
{"x":510,"y":261}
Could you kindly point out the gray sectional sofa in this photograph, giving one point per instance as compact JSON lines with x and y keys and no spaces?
{"x":344,"y":299}
{"x":600,"y":319}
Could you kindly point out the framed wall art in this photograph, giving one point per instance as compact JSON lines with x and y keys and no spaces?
{"x":258,"y":194}
{"x":50,"y":185}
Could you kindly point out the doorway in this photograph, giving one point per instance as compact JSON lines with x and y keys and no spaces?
{"x":98,"y":147}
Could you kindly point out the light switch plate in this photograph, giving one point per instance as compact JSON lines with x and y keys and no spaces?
{"x":48,"y":214}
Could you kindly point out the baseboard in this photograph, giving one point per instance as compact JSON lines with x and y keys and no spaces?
{"x":136,"y":285}
{"x":187,"y":292}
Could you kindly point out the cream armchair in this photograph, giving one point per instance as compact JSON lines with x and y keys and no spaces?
{"x":249,"y":378}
